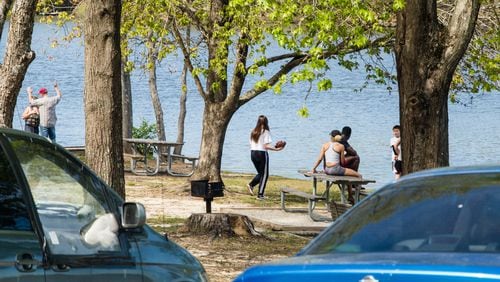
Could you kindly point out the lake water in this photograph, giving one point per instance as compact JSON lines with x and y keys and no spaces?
{"x":474,"y":129}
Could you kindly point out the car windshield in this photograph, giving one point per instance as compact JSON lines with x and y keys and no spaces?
{"x":439,"y":214}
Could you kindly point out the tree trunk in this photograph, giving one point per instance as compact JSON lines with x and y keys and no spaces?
{"x":102,"y":95}
{"x":126,"y":105}
{"x":221,"y":224}
{"x":18,"y":57}
{"x":153,"y":90}
{"x":216,"y":117}
{"x":182,"y":111}
{"x":427,"y":55}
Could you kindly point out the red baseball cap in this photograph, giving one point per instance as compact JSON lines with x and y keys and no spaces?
{"x":42,"y":91}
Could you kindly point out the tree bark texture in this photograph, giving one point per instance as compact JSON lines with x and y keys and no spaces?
{"x":102,"y":95}
{"x":221,"y":224}
{"x":182,"y":111}
{"x":427,"y":54}
{"x":126,"y":106}
{"x":153,"y":91}
{"x":216,"y":117}
{"x":18,"y":56}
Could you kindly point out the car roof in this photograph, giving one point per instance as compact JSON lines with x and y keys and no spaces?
{"x":453,"y":170}
{"x":17,"y":132}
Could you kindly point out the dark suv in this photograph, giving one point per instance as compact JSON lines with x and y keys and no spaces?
{"x":60,"y":222}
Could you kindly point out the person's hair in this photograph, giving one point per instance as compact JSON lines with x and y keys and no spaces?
{"x":262,"y":124}
{"x":396,"y":127}
{"x":336,"y":135}
{"x":346,"y":131}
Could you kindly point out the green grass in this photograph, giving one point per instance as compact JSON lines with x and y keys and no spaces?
{"x":236,"y":190}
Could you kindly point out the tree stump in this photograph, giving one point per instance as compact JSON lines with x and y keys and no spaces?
{"x":221,"y":224}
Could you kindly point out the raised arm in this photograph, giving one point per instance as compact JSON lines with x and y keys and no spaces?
{"x":30,"y":94}
{"x":58,"y":92}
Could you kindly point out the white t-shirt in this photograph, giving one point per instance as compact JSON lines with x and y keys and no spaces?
{"x":265,"y":138}
{"x":394,"y":141}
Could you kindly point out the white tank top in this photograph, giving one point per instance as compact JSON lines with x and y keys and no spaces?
{"x":332,"y":156}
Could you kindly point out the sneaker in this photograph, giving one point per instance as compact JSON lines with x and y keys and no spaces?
{"x":250,"y":189}
{"x":261,"y":198}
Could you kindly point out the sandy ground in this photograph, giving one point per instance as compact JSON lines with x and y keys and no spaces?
{"x":169,"y":197}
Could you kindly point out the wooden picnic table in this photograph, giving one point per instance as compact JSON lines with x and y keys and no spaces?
{"x":342,"y":182}
{"x":143,"y":149}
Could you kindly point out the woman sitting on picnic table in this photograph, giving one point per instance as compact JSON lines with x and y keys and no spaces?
{"x":333,"y":154}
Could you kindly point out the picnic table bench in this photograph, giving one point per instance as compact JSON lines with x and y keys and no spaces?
{"x":342,"y":182}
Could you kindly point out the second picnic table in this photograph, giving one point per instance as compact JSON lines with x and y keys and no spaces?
{"x":342,"y":182}
{"x":142,"y":149}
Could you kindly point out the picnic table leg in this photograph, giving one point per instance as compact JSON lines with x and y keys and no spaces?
{"x":133,"y":161}
{"x":327,"y":194}
{"x":357,"y":193}
{"x":156,"y":155}
{"x":342,"y":187}
{"x":315,"y":186}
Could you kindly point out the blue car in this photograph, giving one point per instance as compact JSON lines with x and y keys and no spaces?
{"x":60,"y":222}
{"x":437,"y":225}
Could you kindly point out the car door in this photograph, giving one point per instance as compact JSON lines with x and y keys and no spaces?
{"x":20,"y":248}
{"x":81,"y":226}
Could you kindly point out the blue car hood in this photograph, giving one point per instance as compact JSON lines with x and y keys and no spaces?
{"x":382,"y":267}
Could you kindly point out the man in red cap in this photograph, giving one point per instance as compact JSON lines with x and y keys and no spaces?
{"x":47,"y":109}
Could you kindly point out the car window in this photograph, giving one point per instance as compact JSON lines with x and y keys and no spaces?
{"x":450,"y":215}
{"x":13,"y":209}
{"x":70,"y":202}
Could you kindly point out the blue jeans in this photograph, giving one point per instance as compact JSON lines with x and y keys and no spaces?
{"x":48,"y":132}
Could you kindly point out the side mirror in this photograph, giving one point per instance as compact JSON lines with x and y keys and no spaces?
{"x":133,"y":215}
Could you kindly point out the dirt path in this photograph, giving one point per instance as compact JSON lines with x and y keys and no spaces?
{"x":168,"y":203}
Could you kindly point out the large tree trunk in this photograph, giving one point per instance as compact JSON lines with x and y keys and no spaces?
{"x":18,"y":56}
{"x":182,"y":111}
{"x":153,"y":90}
{"x":102,"y":95}
{"x":126,"y":105}
{"x":427,"y":55}
{"x":216,"y":117}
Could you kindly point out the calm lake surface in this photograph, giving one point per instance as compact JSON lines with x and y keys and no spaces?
{"x":474,"y":129}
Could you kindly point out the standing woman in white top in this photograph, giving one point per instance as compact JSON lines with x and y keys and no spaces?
{"x":260,"y":143}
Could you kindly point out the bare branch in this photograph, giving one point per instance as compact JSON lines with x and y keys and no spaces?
{"x":239,"y":73}
{"x":192,"y":15}
{"x":187,"y":60}
{"x":460,"y":30}
{"x":4,"y":9}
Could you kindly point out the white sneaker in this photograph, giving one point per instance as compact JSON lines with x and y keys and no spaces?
{"x":250,"y":189}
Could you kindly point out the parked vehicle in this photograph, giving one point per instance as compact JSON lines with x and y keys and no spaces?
{"x":60,"y":222}
{"x":437,"y":225}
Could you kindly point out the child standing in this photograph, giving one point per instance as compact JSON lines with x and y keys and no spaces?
{"x":397,"y":161}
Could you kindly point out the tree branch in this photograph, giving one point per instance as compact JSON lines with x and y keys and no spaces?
{"x":187,"y":60}
{"x":4,"y":9}
{"x":195,"y":18}
{"x":301,"y":58}
{"x":239,"y":73}
{"x":460,"y":30}
{"x":297,"y":61}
